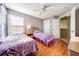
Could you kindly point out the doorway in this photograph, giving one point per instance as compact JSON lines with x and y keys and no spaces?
{"x":65,"y":28}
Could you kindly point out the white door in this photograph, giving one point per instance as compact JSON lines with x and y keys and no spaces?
{"x":47,"y":26}
{"x":56,"y":28}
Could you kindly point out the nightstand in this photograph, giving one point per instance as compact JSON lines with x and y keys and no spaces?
{"x":30,"y":34}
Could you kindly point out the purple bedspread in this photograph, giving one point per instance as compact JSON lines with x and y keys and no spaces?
{"x":44,"y":38}
{"x":17,"y":45}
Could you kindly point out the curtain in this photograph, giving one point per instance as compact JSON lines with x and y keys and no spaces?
{"x":3,"y":15}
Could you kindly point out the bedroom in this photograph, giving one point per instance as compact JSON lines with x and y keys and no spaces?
{"x":34,"y":29}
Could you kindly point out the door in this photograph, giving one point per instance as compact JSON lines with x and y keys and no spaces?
{"x":47,"y":26}
{"x":65,"y":28}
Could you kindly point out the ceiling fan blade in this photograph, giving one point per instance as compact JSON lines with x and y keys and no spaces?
{"x":50,"y":7}
{"x":42,"y":12}
{"x":55,"y":6}
{"x":38,"y":9}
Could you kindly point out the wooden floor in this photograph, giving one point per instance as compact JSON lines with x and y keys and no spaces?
{"x":57,"y":49}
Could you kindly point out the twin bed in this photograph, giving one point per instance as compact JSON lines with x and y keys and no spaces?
{"x":22,"y":45}
{"x":44,"y":38}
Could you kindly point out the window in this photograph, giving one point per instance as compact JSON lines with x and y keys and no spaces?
{"x":16,"y":20}
{"x":16,"y":23}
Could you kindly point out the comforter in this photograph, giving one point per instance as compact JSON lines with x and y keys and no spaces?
{"x":44,"y":38}
{"x":17,"y":45}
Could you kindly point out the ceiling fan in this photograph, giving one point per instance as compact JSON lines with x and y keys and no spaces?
{"x":43,"y":8}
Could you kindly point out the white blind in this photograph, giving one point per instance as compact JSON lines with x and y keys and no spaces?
{"x":16,"y":20}
{"x":16,"y":23}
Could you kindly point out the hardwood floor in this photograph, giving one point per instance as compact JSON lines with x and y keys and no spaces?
{"x":57,"y":49}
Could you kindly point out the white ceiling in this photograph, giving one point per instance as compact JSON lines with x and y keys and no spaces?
{"x":28,"y":8}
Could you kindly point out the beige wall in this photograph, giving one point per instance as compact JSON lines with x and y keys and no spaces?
{"x":28,"y":20}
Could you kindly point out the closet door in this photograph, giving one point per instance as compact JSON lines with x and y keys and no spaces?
{"x":56,"y":28}
{"x":47,"y":26}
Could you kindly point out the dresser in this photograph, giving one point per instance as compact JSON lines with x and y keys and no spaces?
{"x":74,"y":46}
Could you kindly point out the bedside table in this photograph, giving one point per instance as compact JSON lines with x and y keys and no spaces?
{"x":30,"y":34}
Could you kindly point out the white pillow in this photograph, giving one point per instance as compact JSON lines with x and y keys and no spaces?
{"x":36,"y":31}
{"x":17,"y":33}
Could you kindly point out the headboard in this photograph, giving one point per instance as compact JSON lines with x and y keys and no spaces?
{"x":34,"y":28}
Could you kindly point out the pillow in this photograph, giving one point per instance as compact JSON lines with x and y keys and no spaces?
{"x":17,"y":33}
{"x":36,"y":31}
